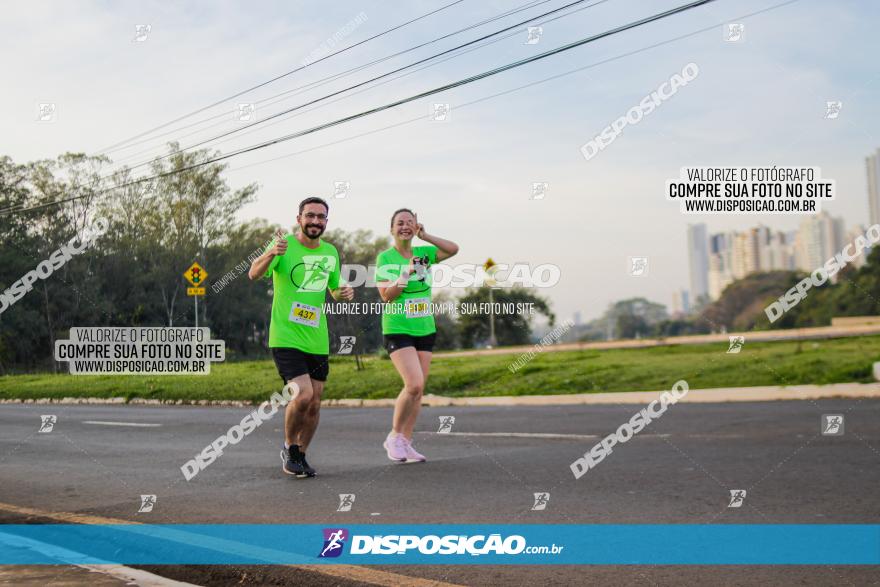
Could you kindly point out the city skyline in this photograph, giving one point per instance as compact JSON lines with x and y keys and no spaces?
{"x":717,"y":259}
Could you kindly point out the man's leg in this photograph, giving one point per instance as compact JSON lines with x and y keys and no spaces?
{"x":406,"y":361}
{"x":313,"y":413}
{"x":296,"y":414}
{"x":425,"y":364}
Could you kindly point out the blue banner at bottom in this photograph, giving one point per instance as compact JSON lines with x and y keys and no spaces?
{"x":491,"y":544}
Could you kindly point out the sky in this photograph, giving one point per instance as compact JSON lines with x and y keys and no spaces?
{"x":757,"y":102}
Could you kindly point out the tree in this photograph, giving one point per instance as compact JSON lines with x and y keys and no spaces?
{"x":741,"y":305}
{"x":192,"y":209}
{"x":510,"y":328}
{"x":22,"y":331}
{"x":631,"y":318}
{"x":360,"y":247}
{"x":239,"y":308}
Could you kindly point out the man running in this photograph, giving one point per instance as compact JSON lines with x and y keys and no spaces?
{"x":302,"y":267}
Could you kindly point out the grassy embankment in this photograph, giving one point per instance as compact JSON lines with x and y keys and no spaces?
{"x":587,"y":371}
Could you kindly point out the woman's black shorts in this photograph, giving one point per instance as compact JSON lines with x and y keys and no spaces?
{"x":395,"y":342}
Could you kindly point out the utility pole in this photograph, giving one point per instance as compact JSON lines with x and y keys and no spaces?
{"x":490,"y":279}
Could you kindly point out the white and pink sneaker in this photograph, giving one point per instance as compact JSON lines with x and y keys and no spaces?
{"x":395,"y":446}
{"x":412,"y":455}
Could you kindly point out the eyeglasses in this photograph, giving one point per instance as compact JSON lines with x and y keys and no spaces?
{"x":313,"y":216}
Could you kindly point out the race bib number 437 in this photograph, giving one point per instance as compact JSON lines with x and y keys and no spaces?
{"x":305,"y":314}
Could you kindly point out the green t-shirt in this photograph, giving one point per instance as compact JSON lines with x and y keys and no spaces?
{"x":410,"y":313}
{"x":300,"y":277}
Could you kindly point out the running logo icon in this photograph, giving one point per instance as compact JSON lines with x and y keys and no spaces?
{"x":736,"y":344}
{"x":733,"y":32}
{"x":340,"y":189}
{"x":638,"y":266}
{"x":737,"y":496}
{"x":539,"y":190}
{"x":541,"y":500}
{"x":346,"y":501}
{"x":535,"y":33}
{"x":832,"y":424}
{"x":334,"y":541}
{"x":346,"y":345}
{"x":440,"y":112}
{"x":247,"y":111}
{"x":147,"y":503}
{"x":47,"y":423}
{"x":316,"y":272}
{"x":46,"y":112}
{"x":446,"y":423}
{"x":141,"y":32}
{"x":832,"y":109}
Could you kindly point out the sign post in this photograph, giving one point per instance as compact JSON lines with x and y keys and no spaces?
{"x":488,"y":265}
{"x":196,"y":275}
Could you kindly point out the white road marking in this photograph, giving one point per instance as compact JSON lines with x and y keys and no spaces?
{"x":573,"y":436}
{"x":517,"y":435}
{"x":350,"y":572}
{"x":136,"y":424}
{"x":71,"y":557}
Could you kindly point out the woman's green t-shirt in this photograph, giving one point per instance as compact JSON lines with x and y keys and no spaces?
{"x":411,"y":312}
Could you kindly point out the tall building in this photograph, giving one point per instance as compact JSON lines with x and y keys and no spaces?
{"x":819,"y":238}
{"x":681,"y":305}
{"x":849,"y":237}
{"x":720,"y":272}
{"x":698,"y":261}
{"x":720,"y":276}
{"x":872,"y":162}
{"x":746,"y":256}
{"x":734,"y":255}
{"x":776,"y":251}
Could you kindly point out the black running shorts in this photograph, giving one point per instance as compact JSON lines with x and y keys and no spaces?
{"x":395,"y":342}
{"x":292,"y":363}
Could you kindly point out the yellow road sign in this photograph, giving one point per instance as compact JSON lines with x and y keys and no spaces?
{"x":196,"y":275}
{"x":195,"y":291}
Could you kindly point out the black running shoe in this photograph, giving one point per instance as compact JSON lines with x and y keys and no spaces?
{"x":291,"y":457}
{"x":310,"y":472}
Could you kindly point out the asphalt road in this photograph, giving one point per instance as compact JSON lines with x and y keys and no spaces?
{"x":678,"y":470}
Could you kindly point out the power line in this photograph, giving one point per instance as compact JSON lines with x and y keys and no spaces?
{"x":429,"y":65}
{"x":316,"y":100}
{"x":462,"y":82}
{"x":453,"y":56}
{"x":283,"y":75}
{"x":330,"y":78}
{"x":517,"y":88}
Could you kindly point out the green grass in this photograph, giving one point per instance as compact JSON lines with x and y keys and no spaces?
{"x":702,"y":366}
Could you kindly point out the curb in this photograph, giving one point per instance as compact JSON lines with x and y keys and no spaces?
{"x":717,"y":395}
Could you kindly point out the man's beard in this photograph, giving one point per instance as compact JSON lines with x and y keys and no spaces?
{"x":309,"y":228}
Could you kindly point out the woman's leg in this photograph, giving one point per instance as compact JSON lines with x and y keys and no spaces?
{"x":406,"y":361}
{"x":425,"y":364}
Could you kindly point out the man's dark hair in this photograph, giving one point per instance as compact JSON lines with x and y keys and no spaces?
{"x":313,"y":200}
{"x":396,"y":212}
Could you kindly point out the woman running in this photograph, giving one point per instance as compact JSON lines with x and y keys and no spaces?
{"x":404,"y":280}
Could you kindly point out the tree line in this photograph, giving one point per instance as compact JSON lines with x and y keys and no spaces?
{"x":132,"y":274}
{"x":741,"y":306}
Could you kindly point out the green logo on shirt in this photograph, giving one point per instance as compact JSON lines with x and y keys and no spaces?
{"x":313,"y":272}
